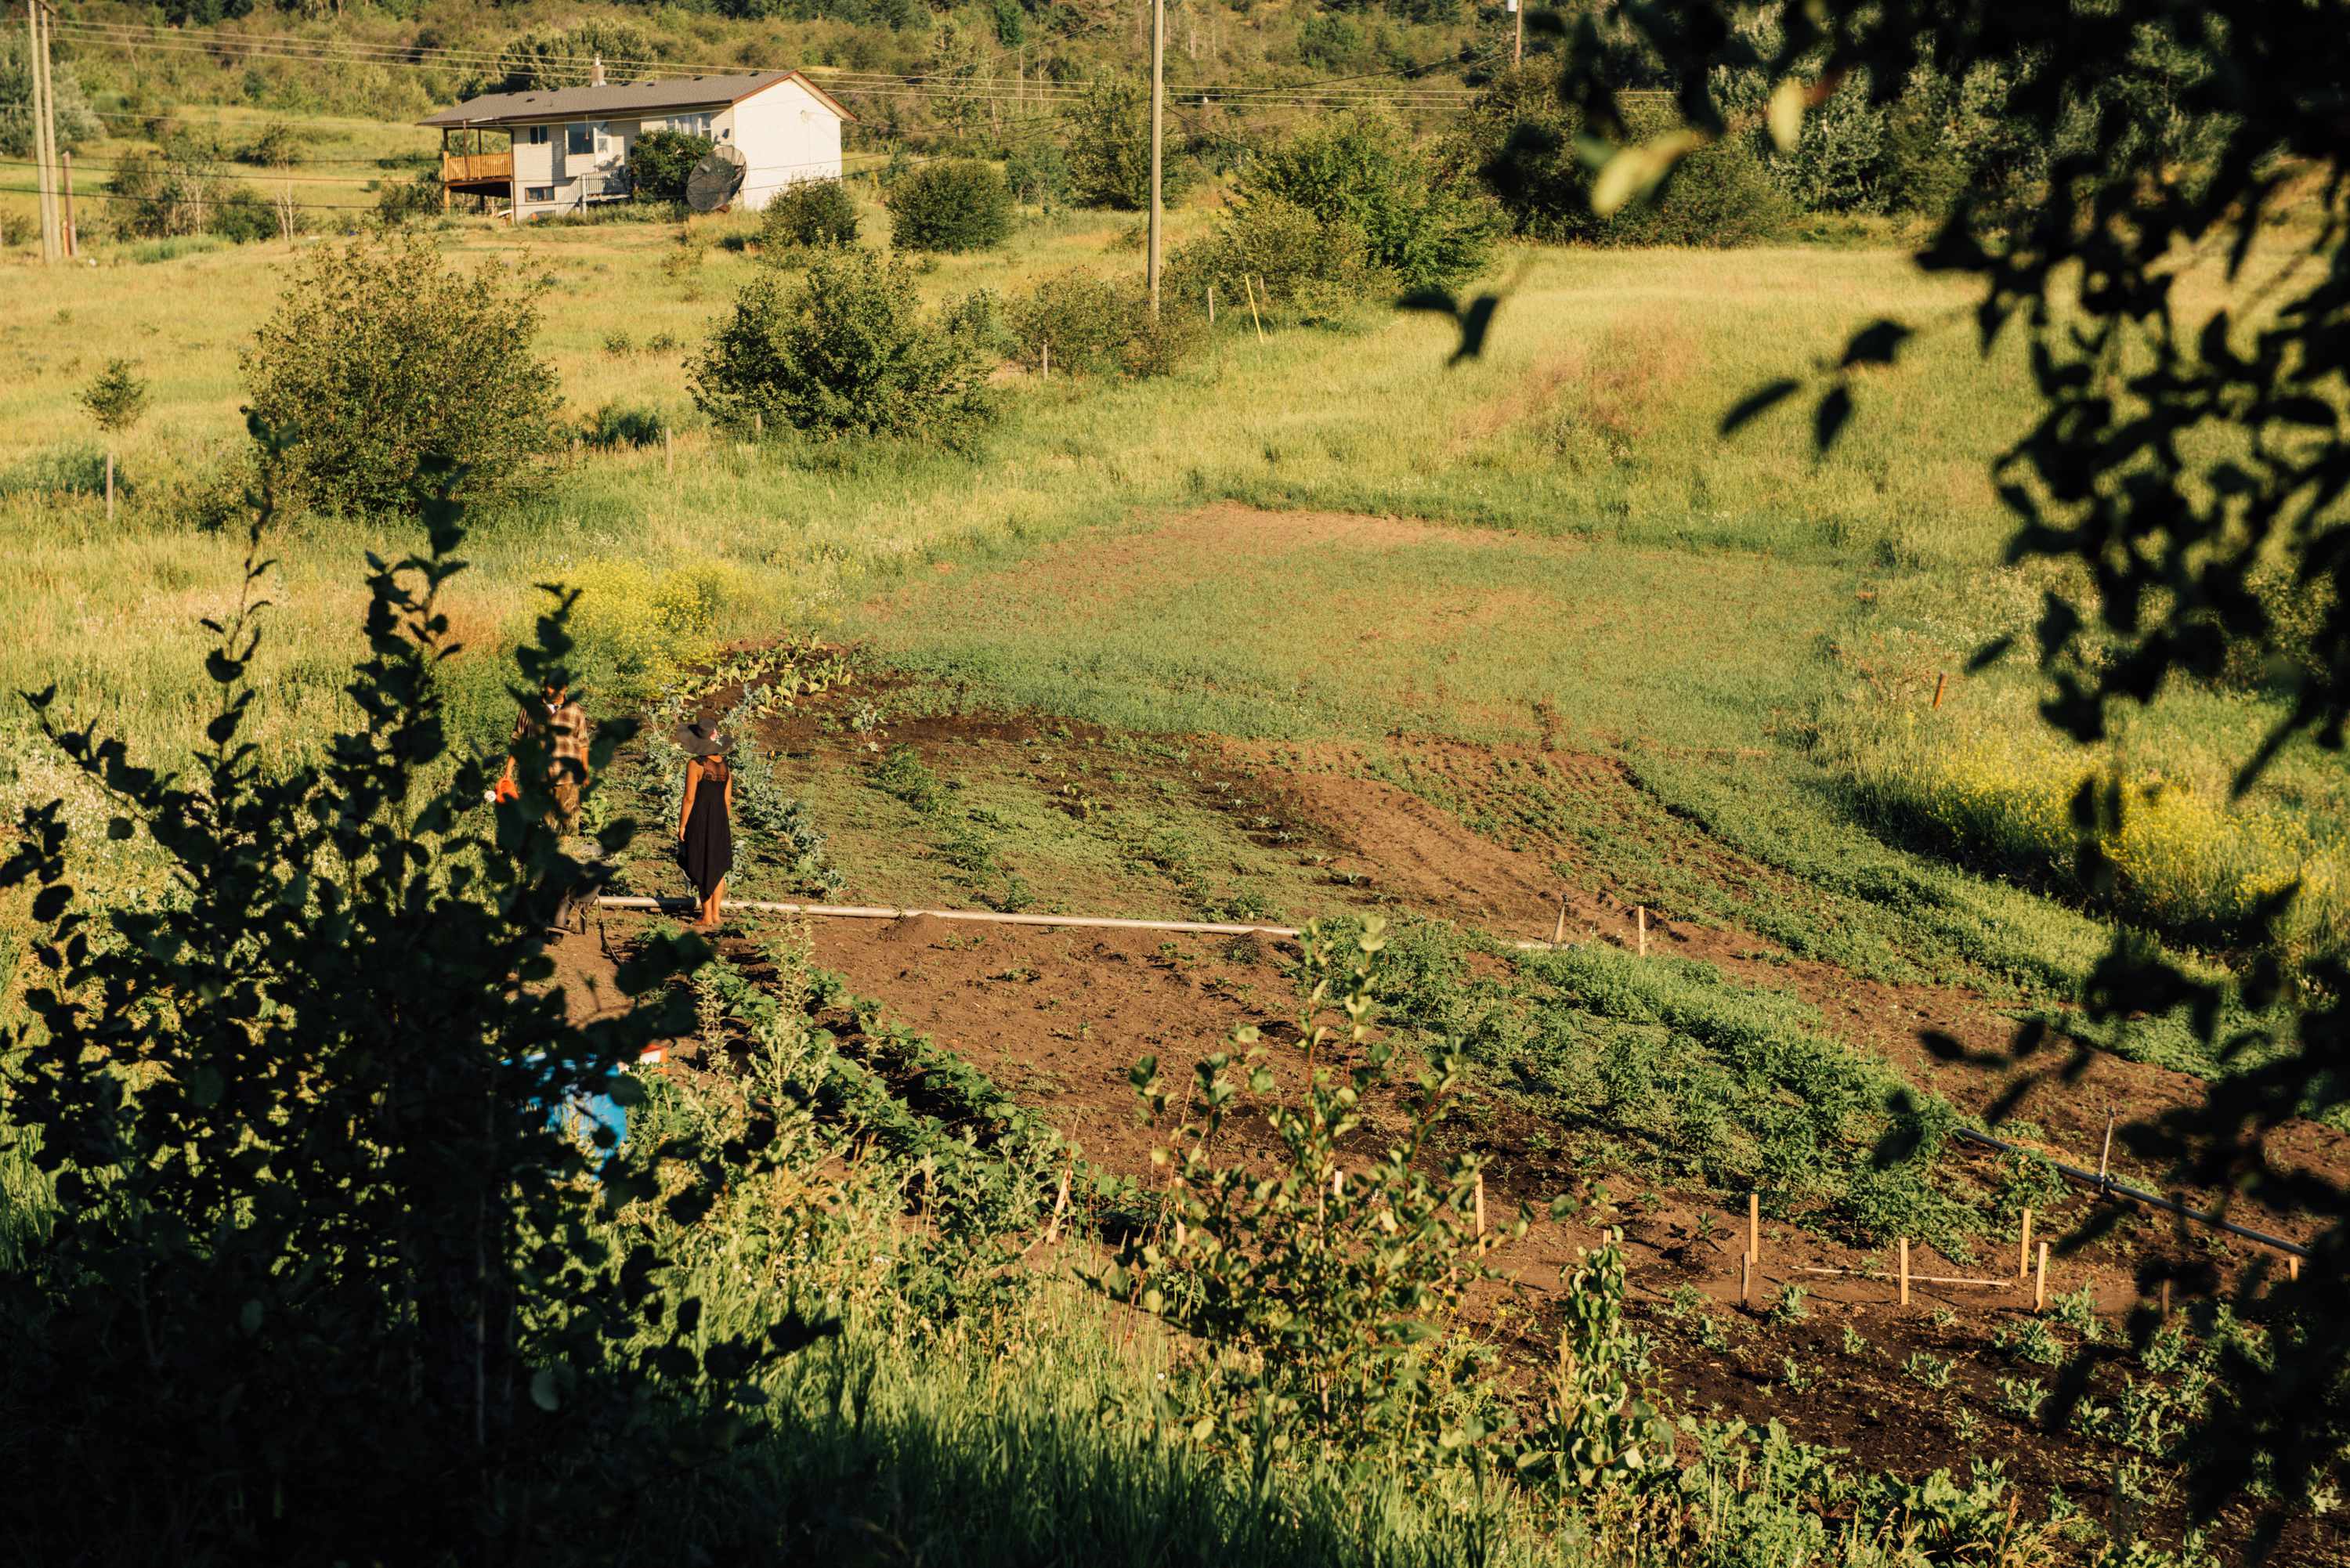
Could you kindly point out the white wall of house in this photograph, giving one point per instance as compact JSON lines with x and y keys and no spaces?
{"x":785,"y":134}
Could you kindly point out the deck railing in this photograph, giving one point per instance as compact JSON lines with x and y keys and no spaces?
{"x":475,"y":168}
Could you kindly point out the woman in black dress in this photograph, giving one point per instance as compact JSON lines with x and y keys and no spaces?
{"x":705,"y":825}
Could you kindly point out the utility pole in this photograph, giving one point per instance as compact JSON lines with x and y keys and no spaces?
{"x":1158,"y":128}
{"x":44,"y":152}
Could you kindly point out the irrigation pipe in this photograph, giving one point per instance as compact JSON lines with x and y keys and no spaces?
{"x":978,"y":917}
{"x":983,"y":917}
{"x":2137,"y":1194}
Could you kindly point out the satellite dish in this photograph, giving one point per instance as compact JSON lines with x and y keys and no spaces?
{"x":716,"y":180}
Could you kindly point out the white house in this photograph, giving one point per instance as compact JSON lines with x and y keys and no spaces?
{"x":569,"y":146}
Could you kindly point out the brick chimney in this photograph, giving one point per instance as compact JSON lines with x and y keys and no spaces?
{"x":599,"y":78}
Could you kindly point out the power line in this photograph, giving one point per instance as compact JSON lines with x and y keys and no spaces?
{"x":869,"y":83}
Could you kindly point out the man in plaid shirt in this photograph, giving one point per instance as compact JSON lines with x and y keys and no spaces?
{"x":558,"y":716}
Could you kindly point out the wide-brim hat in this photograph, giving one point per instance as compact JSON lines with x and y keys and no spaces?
{"x":702,"y":739}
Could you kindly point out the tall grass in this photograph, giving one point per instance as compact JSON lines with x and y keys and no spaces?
{"x":2186,"y":860}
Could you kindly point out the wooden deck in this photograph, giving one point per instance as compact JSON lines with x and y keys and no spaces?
{"x":487,"y":173}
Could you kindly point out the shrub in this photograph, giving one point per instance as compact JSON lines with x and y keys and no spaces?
{"x":382,"y":363}
{"x":1417,"y":219}
{"x":978,"y":319}
{"x":1082,"y":317}
{"x":403,"y":200}
{"x":1107,"y":149}
{"x":242,"y":218}
{"x":313,"y":1209}
{"x":1315,"y":271}
{"x":1096,"y":326}
{"x":280,"y":146}
{"x":1522,"y":142}
{"x":954,"y":204}
{"x":845,"y":352}
{"x":811,"y":214}
{"x":616,"y":425}
{"x":660,"y":162}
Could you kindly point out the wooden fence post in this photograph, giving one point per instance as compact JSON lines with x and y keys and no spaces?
{"x":1904,"y":1270}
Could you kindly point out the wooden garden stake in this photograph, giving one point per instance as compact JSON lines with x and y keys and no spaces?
{"x":1481,"y":1203}
{"x":1746,"y":1280}
{"x":2105,"y":1156}
{"x":1904,"y":1270}
{"x":2024,"y":1251}
{"x":1640,"y":913}
{"x":1938,"y":687}
{"x":1060,"y":1204}
{"x":1249,"y":284}
{"x":2291,"y":1267}
{"x":1211,"y":305}
{"x":1754,"y":1227}
{"x":2040,"y":1283}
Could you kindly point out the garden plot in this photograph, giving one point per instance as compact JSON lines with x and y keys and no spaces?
{"x":1591,"y":1066}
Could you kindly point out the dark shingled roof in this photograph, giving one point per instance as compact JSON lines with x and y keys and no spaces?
{"x":616,"y":99}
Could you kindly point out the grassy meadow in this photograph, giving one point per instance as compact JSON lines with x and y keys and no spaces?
{"x":1755,"y":629}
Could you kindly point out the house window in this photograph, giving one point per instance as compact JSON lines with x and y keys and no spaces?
{"x":538,"y":136}
{"x":690,"y":124}
{"x":587,"y":139}
{"x":538,"y":193}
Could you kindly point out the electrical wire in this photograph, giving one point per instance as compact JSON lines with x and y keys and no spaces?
{"x":933,"y":83}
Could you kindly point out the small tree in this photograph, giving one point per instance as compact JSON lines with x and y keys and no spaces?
{"x":661,"y":161}
{"x":116,"y":400}
{"x":808,"y":214}
{"x":1426,"y":224}
{"x":1106,"y":146}
{"x":322,"y":1275}
{"x":956,"y":204}
{"x":382,"y":360}
{"x":846,"y":352}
